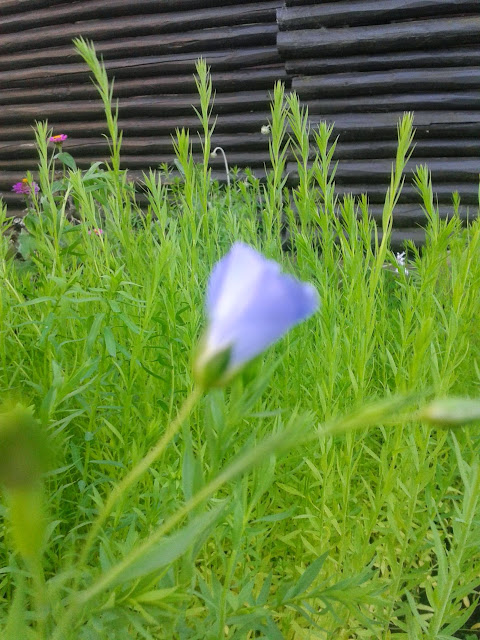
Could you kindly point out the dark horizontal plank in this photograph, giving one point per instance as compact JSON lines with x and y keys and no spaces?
{"x":381,"y":82}
{"x":451,"y":173}
{"x":411,"y":215}
{"x":264,"y":76}
{"x":137,"y":86}
{"x":160,"y":105}
{"x":235,"y":159}
{"x":368,"y":12}
{"x":376,"y":171}
{"x":241,"y":122}
{"x":7,"y":178}
{"x":144,"y":65}
{"x":25,"y":149}
{"x":461,"y":57}
{"x":443,"y":192}
{"x":447,"y":171}
{"x":302,"y":3}
{"x":433,"y":125}
{"x":400,"y":237}
{"x":19,"y":6}
{"x":140,"y":25}
{"x":203,"y":41}
{"x":428,"y":124}
{"x":376,"y":192}
{"x":423,"y":151}
{"x":419,"y":34}
{"x":397,"y":240}
{"x":43,"y":12}
{"x":386,"y":103}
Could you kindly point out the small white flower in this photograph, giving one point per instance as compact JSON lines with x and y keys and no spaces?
{"x":265,"y":129}
{"x":400,"y":258}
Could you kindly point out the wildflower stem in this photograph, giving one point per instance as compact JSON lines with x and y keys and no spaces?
{"x":292,"y":435}
{"x":276,"y":442}
{"x":119,"y":490}
{"x":138,"y":470}
{"x":227,"y":171}
{"x":35,"y":567}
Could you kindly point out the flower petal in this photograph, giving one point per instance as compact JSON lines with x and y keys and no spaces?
{"x":252,"y":304}
{"x":232,"y":279}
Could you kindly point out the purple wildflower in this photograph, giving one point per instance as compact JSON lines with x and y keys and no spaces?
{"x":58,"y":139}
{"x":250,"y":305}
{"x":24,"y":188}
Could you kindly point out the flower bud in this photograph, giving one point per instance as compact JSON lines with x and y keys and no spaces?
{"x":209,"y":369}
{"x":27,"y":520}
{"x":23,"y":458}
{"x":451,"y":412}
{"x":23,"y":449}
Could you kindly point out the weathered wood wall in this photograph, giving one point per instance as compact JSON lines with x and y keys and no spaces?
{"x":362,"y":63}
{"x":150,"y":47}
{"x":358,"y":63}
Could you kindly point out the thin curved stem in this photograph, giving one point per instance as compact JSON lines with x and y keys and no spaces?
{"x":238,"y":466}
{"x":119,"y":490}
{"x":227,"y":170}
{"x":137,"y":471}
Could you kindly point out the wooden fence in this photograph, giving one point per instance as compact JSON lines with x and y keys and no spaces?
{"x":362,"y":63}
{"x":151,"y":48}
{"x":358,"y":63}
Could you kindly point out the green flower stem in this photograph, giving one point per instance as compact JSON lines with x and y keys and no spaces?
{"x":119,"y":490}
{"x":245,"y":461}
{"x":35,"y":567}
{"x":277,"y":442}
{"x":137,"y":471}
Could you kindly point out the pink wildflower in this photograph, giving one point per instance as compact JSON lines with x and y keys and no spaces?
{"x":97,"y":232}
{"x":24,"y":188}
{"x":58,"y":139}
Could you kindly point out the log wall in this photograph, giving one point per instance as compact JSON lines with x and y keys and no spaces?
{"x":362,"y":63}
{"x":150,"y":47}
{"x":357,"y":63}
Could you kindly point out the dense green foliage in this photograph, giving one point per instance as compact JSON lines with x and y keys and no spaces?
{"x":371,"y":533}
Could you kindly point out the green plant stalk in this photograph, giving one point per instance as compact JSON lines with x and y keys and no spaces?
{"x":275,"y":179}
{"x":298,"y":120}
{"x":54,"y":220}
{"x":138,"y":470}
{"x":277,"y":443}
{"x":35,"y":567}
{"x":397,"y":581}
{"x":203,"y":81}
{"x":225,"y":588}
{"x":455,"y":557}
{"x":87,"y":51}
{"x":324,"y":177}
{"x":404,"y":150}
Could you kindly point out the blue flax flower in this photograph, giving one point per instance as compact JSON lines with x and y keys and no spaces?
{"x":250,"y":305}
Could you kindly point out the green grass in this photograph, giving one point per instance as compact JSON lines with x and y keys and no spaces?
{"x":318,"y":530}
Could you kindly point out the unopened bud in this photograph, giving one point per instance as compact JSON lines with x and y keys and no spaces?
{"x":210,"y":368}
{"x":23,"y":449}
{"x":451,"y":412}
{"x":23,"y":458}
{"x":27,"y":520}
